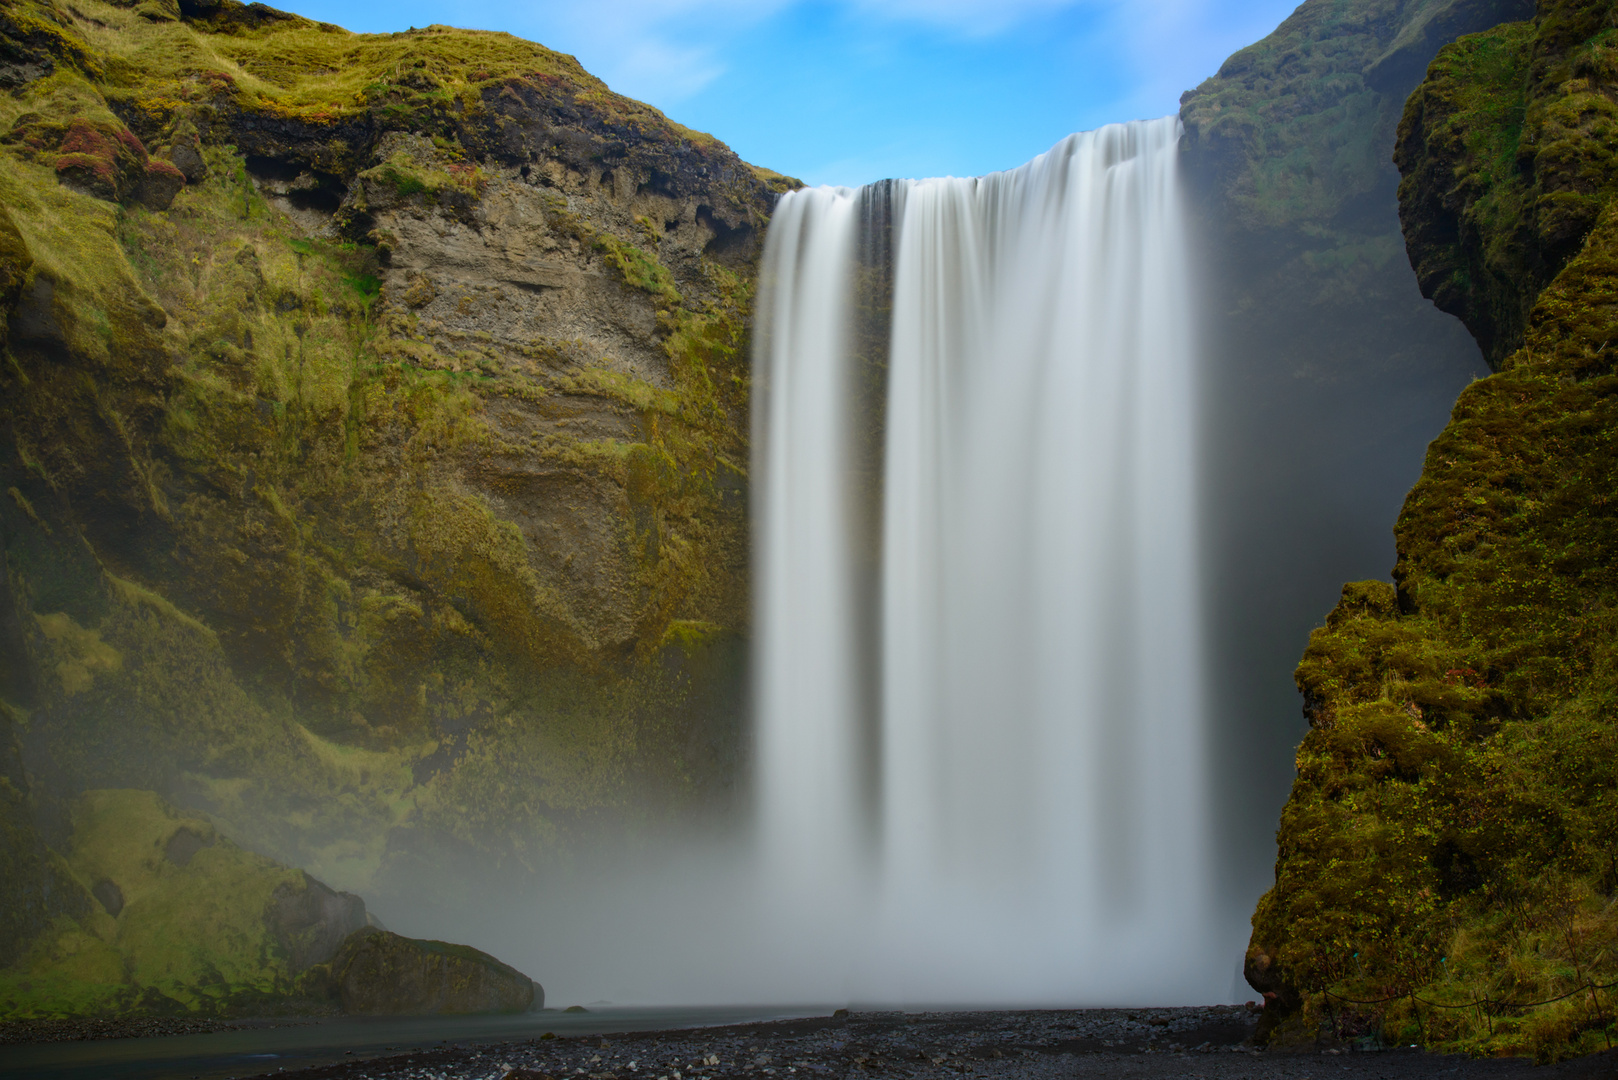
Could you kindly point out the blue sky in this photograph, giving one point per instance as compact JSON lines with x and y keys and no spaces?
{"x":849,"y":91}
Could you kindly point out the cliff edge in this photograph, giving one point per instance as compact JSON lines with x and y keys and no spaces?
{"x":1446,"y":870}
{"x":373,"y":478}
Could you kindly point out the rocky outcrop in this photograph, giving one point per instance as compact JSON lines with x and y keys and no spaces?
{"x":374,"y":473}
{"x":1508,"y":160}
{"x":377,"y":973}
{"x":382,"y":499}
{"x":151,"y":910}
{"x":1445,"y":870}
{"x":311,"y":921}
{"x":1326,"y":372}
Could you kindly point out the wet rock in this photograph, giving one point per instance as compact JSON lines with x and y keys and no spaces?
{"x":312,"y":921}
{"x":377,"y":973}
{"x":188,"y":159}
{"x":162,"y":182}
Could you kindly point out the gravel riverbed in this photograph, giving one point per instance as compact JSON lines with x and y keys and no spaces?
{"x":1209,"y":1042}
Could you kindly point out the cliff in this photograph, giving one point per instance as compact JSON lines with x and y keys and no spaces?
{"x":1327,"y":373}
{"x":374,"y":470}
{"x":1446,"y":869}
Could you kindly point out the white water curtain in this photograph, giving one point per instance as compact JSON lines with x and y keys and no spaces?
{"x":1038,"y":832}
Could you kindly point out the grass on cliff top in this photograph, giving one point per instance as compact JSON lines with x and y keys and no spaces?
{"x":320,"y":73}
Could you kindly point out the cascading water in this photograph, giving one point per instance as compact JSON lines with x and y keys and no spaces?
{"x":980,"y":728}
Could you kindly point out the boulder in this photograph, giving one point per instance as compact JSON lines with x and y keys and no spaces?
{"x":187,"y":157}
{"x":313,"y":921}
{"x":377,"y":973}
{"x":163,"y":181}
{"x":103,"y":160}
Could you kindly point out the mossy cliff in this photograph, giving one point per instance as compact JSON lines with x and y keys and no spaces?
{"x":1448,"y":867}
{"x":374,"y":469}
{"x":1326,"y":371}
{"x":170,"y":917}
{"x":1509,"y":158}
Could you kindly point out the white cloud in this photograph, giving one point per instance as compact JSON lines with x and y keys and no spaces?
{"x":1174,"y":44}
{"x":975,"y":18}
{"x":662,"y":51}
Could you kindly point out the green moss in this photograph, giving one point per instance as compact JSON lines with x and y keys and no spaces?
{"x":1446,"y":871}
{"x":251,"y":532}
{"x":1508,"y":156}
{"x":188,"y":932}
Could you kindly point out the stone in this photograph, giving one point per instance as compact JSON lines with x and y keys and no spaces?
{"x":312,"y":922}
{"x":378,"y":973}
{"x":188,"y":159}
{"x":158,"y":187}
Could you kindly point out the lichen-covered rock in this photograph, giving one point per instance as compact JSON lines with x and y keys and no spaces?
{"x":158,"y":186}
{"x":384,"y":498}
{"x":1509,"y":152}
{"x":1446,"y":867}
{"x":174,"y":919}
{"x":377,"y":973}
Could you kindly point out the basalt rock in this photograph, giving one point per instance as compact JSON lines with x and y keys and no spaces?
{"x":377,"y":973}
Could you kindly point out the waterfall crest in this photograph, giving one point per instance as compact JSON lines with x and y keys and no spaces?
{"x":980,"y":733}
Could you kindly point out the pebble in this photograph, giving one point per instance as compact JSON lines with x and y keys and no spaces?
{"x":1208,"y":1043}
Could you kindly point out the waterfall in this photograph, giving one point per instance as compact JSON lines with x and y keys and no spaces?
{"x":980,"y":730}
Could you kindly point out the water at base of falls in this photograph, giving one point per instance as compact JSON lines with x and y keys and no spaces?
{"x":980,"y":731}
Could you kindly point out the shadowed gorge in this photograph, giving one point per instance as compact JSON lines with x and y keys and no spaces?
{"x":1325,"y":370}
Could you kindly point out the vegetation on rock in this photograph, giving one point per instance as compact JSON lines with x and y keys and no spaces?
{"x":1508,"y":151}
{"x":374,"y":470}
{"x":1325,"y":371}
{"x":376,"y":973}
{"x":1447,"y":868}
{"x":172,"y":918}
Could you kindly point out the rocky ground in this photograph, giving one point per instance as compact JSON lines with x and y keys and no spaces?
{"x":129,"y":1027}
{"x":1206,"y":1042}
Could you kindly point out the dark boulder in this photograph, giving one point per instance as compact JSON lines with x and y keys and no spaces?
{"x":187,"y":157}
{"x":377,"y":973}
{"x":313,"y":921}
{"x":163,"y":181}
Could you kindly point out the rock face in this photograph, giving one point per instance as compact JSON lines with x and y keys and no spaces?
{"x":1446,"y":867}
{"x":312,"y":921}
{"x":377,"y":973}
{"x":1508,"y":161}
{"x":151,"y":910}
{"x":374,"y":477}
{"x":1327,"y":372}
